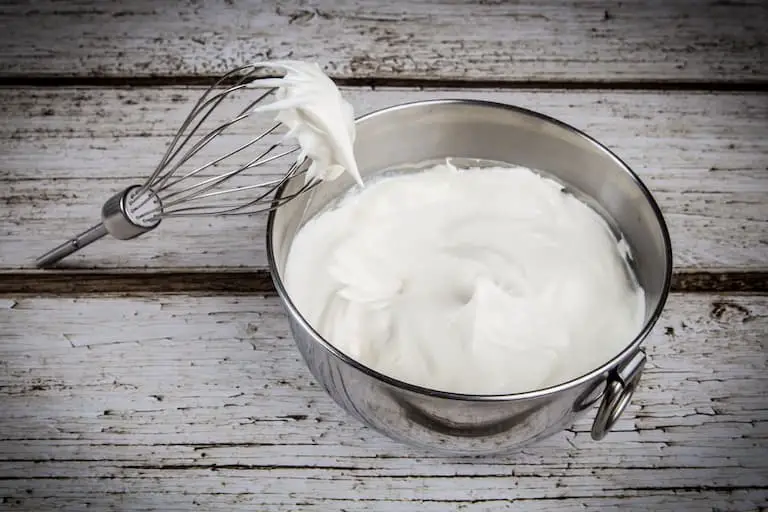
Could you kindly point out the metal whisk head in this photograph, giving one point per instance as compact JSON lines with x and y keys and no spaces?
{"x":186,"y":182}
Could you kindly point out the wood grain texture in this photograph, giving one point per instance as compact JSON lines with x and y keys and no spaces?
{"x":167,"y":403}
{"x":640,"y":41}
{"x":65,"y":151}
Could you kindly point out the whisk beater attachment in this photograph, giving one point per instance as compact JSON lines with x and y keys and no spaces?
{"x":172,"y":192}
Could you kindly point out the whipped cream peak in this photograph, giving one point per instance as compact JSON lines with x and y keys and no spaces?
{"x":477,"y":281}
{"x":317,"y":116}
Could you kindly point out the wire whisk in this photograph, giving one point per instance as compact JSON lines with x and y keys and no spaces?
{"x":172,"y":191}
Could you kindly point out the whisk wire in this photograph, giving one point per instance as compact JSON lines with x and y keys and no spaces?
{"x":228,"y":210}
{"x":205,"y":140}
{"x":234,"y":210}
{"x":162,"y":177}
{"x":163,"y":186}
{"x":198,"y":190}
{"x":161,"y":180}
{"x":273,"y":184}
{"x":215,"y":161}
{"x":204,"y":105}
{"x":201,"y":102}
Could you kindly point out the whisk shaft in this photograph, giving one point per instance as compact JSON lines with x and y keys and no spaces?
{"x":72,"y":245}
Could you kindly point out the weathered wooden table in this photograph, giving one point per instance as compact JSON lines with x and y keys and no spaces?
{"x":159,"y":374}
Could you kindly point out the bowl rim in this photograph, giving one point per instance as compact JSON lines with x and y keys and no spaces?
{"x":626,"y":353}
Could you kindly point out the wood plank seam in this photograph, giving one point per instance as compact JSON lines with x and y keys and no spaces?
{"x":258,"y":281}
{"x":59,"y":81}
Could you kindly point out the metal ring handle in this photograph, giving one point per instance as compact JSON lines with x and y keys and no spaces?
{"x":619,"y":389}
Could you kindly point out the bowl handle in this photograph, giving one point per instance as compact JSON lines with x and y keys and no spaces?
{"x":622,"y":382}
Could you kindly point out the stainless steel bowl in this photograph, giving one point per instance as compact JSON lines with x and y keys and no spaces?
{"x":483,"y":424}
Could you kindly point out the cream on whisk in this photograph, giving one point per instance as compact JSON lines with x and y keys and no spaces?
{"x":481,"y":281}
{"x":317,"y":116}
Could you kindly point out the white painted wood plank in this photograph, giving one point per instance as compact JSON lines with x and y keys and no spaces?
{"x":65,"y":151}
{"x":683,"y":501}
{"x":164,"y":403}
{"x":636,"y":40}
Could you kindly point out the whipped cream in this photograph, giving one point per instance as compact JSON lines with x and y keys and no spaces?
{"x":479,"y":281}
{"x":323,"y":123}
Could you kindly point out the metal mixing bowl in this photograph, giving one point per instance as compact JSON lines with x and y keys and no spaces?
{"x":483,"y":424}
